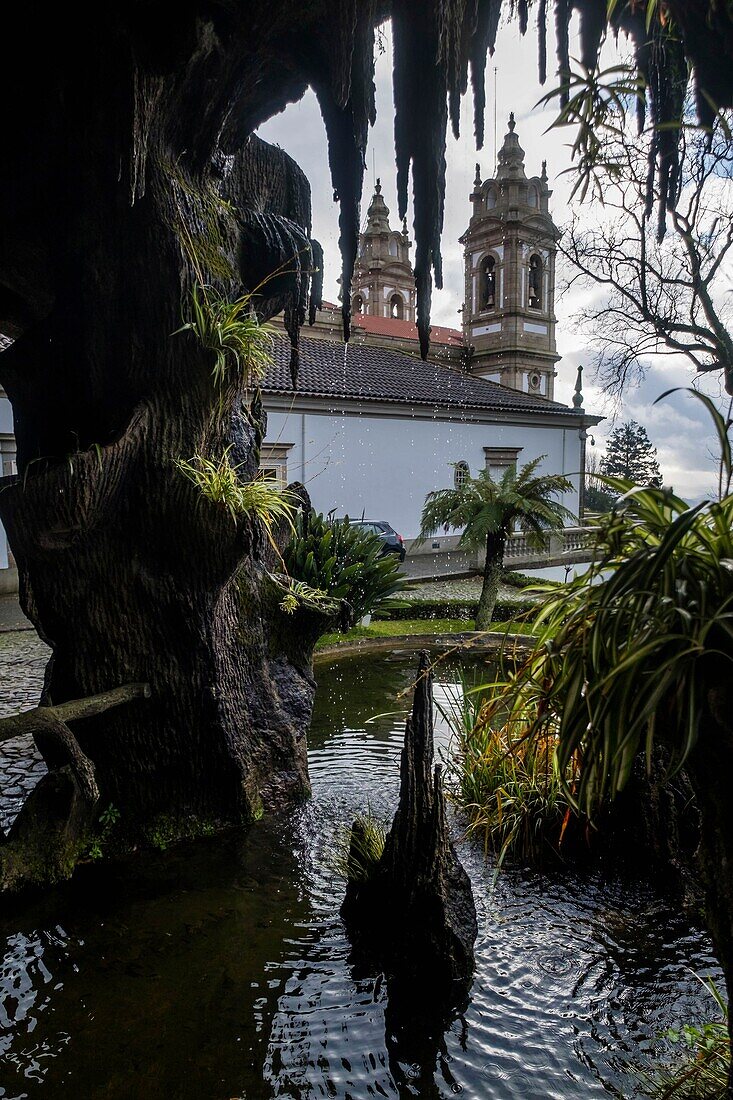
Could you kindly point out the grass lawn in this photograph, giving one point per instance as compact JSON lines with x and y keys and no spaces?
{"x":404,"y":627}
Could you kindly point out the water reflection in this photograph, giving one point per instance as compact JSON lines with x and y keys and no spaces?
{"x":159,"y":980}
{"x":223,"y":970}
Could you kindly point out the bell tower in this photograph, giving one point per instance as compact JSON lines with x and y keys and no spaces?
{"x":509,"y":249}
{"x":384,"y":282}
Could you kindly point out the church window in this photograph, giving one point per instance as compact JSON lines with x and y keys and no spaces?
{"x":357,"y":304}
{"x":274,"y":463}
{"x":500,"y":459}
{"x":392,"y":247}
{"x":8,"y":464}
{"x":461,"y":474}
{"x":490,"y":199}
{"x":488,"y":284}
{"x":532,"y":197}
{"x":535,"y":282}
{"x":396,"y":306}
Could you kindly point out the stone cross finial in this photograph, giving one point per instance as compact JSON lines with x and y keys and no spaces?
{"x":512,"y":123}
{"x":404,"y":225}
{"x":378,"y":186}
{"x":477,"y":178}
{"x":578,"y":395}
{"x":544,"y":170}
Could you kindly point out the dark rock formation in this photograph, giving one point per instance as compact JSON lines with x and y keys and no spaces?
{"x":415,"y":910}
{"x":129,"y":175}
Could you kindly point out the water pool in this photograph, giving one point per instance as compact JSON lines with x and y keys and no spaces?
{"x":222,"y":969}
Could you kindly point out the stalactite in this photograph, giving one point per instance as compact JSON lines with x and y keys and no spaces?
{"x":483,"y":42}
{"x":346,"y":159}
{"x":420,"y":92}
{"x":315,"y":301}
{"x":146,"y":90}
{"x":563,"y":11}
{"x":593,"y":24}
{"x":343,"y":80}
{"x":523,"y":13}
{"x":276,"y":255}
{"x":542,"y":40}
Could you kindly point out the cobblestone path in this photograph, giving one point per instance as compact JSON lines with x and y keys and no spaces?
{"x":23,"y":659}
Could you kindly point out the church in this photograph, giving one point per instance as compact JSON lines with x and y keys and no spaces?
{"x":372,"y":428}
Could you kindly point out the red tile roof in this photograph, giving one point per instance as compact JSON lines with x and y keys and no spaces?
{"x":399,"y":329}
{"x":405,"y":330}
{"x":367,"y":373}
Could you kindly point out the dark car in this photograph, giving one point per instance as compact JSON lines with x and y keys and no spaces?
{"x":392,"y":543}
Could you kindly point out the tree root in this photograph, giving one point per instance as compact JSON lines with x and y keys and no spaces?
{"x":56,"y":822}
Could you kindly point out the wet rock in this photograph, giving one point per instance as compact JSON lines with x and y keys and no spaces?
{"x":415,"y":913}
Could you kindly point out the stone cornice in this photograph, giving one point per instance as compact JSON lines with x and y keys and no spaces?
{"x":330,"y":406}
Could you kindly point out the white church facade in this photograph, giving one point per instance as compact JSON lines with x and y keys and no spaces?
{"x":372,"y":428}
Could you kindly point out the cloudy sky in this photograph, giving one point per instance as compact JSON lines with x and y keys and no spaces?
{"x":678,"y":427}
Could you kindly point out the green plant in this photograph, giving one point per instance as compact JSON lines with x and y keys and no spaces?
{"x":358,"y":850}
{"x":507,"y":786}
{"x":514,"y":579}
{"x":702,"y":1072}
{"x":504,"y":610}
{"x":299,"y":594}
{"x":219,"y":483}
{"x":486,"y":512}
{"x":242,"y":345}
{"x":106,"y":823}
{"x":343,"y":561}
{"x":633,"y":638}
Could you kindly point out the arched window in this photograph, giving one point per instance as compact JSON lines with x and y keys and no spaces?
{"x":396,"y":306}
{"x":534,"y":297}
{"x":532,"y":196}
{"x":357,"y":304}
{"x":487,"y":288}
{"x":490,"y":199}
{"x":461,"y":474}
{"x":392,"y":247}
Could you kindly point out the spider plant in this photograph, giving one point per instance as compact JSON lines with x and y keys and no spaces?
{"x":300,"y":594}
{"x":242,"y":345}
{"x":219,"y":482}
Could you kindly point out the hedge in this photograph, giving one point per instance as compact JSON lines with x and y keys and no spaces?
{"x":504,"y":610}
{"x":521,"y":580}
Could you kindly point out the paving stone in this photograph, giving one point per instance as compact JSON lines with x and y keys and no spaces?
{"x":23,"y":658}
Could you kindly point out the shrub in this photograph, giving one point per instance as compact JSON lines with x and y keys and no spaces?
{"x":343,"y":561}
{"x":504,"y":610}
{"x":513,"y":579}
{"x":508,"y":786}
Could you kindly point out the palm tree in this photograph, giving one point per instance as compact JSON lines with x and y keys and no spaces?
{"x":488,"y":510}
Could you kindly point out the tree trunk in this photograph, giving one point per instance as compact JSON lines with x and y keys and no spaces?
{"x":418,"y":884}
{"x":126,"y":570}
{"x":493,"y":565}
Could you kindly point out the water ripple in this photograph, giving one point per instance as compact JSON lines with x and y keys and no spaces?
{"x":224,"y":970}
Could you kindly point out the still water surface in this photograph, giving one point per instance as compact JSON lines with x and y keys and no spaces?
{"x":222,"y":970}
